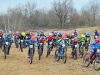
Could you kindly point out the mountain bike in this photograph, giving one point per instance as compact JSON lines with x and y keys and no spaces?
{"x":81,"y":52}
{"x":31,"y":52}
{"x":95,"y":59}
{"x":21,"y":45}
{"x":60,"y":53}
{"x":16,"y":42}
{"x":40,"y":50}
{"x":74,"y":52}
{"x":49,"y":49}
{"x":6,"y":48}
{"x":87,"y":44}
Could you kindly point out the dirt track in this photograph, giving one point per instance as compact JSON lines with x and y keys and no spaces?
{"x":17,"y":63}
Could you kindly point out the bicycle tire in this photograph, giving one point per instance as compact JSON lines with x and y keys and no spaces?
{"x":86,"y":59}
{"x":64,"y":58}
{"x":95,"y":64}
{"x":56,"y":55}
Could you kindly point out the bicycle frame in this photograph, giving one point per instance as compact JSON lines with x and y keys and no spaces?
{"x":61,"y":50}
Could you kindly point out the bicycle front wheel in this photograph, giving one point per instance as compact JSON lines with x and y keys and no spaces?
{"x":64,"y":58}
{"x":96,"y":64}
{"x":86,"y":58}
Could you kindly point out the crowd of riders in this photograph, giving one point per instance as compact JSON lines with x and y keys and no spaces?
{"x":56,"y":37}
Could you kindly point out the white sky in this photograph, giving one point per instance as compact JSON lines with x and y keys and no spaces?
{"x":40,"y":3}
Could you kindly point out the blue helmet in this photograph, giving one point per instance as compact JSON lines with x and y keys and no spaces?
{"x":87,"y":34}
{"x":1,"y":31}
{"x":60,"y":33}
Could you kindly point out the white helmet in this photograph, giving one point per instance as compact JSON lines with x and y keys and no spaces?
{"x":9,"y":31}
{"x":50,"y":33}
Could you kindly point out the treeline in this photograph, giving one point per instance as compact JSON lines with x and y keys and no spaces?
{"x":62,"y":14}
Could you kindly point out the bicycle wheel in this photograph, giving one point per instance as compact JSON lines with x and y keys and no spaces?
{"x":75,"y":54}
{"x":31,"y":56}
{"x":64,"y":58}
{"x":96,"y":64}
{"x":5,"y":52}
{"x":21,"y":48}
{"x":48,"y":51}
{"x":86,"y":47}
{"x":16,"y":43}
{"x":56,"y":55}
{"x":86,"y":58}
{"x":82,"y":52}
{"x":40,"y":53}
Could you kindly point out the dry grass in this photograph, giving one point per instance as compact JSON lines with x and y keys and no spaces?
{"x":17,"y":63}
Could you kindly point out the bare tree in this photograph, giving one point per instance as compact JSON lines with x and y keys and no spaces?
{"x":94,"y":9}
{"x":62,"y":10}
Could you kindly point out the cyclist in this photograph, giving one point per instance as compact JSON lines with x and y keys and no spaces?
{"x":22,"y":37}
{"x":11,"y":35}
{"x":71,"y":38}
{"x":9,"y":39}
{"x":1,"y":38}
{"x":41,"y":40}
{"x":88,"y":37}
{"x":95,"y":45}
{"x":49,"y":39}
{"x":17,"y":34}
{"x":38,"y":35}
{"x":31,"y":41}
{"x":42,"y":34}
{"x":61,"y":41}
{"x":67,"y":36}
{"x":75,"y":33}
{"x":28,"y":35}
{"x":82,"y":40}
{"x":59,"y":35}
{"x":23,"y":33}
{"x":96,"y":34}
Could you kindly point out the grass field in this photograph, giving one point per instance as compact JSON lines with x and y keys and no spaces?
{"x":17,"y":63}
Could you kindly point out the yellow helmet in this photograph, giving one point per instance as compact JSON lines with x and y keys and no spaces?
{"x":82,"y":35}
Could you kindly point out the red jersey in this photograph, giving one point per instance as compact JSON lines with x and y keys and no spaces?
{"x":49,"y":38}
{"x":41,"y":40}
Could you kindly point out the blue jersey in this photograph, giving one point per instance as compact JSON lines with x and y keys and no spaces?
{"x":30,"y":41}
{"x":7,"y":38}
{"x":95,"y":46}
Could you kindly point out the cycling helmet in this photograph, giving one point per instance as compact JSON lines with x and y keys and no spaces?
{"x":1,"y":31}
{"x":32,"y":33}
{"x":8,"y":35}
{"x":98,"y":40}
{"x":87,"y":34}
{"x":33,"y":38}
{"x":60,"y":33}
{"x":63,"y":37}
{"x":82,"y":35}
{"x":72,"y":34}
{"x":50,"y":33}
{"x":9,"y":31}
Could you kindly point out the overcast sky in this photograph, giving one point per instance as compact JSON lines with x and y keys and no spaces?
{"x":40,"y":3}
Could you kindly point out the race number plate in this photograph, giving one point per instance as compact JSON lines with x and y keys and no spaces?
{"x":31,"y":46}
{"x":63,"y":45}
{"x":50,"y":43}
{"x":87,"y":39}
{"x":82,"y":43}
{"x":41,"y":43}
{"x":75,"y":46}
{"x":7,"y":43}
{"x":21,"y":40}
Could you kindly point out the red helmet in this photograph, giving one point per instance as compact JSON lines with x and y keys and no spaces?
{"x":98,"y":40}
